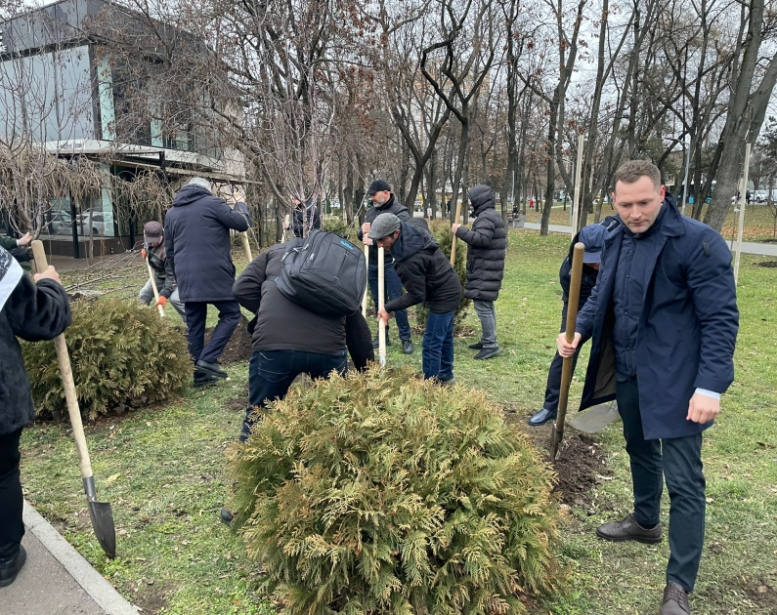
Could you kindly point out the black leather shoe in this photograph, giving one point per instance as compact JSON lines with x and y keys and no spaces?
{"x":675,"y":600}
{"x":202,"y":379}
{"x":211,"y":368}
{"x":476,"y":346}
{"x":542,"y":417}
{"x":629,"y":529}
{"x":488,"y":353}
{"x":9,"y":568}
{"x":227,"y":516}
{"x":407,"y":347}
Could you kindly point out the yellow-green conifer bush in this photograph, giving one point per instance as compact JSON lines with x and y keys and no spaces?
{"x":385,"y":494}
{"x":120,"y":352}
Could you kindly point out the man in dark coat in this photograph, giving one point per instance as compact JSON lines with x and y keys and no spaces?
{"x":304,"y":217}
{"x":429,"y":279}
{"x":593,"y":238}
{"x":487,"y":241}
{"x":198,"y":247}
{"x":155,"y":253}
{"x":664,"y":321}
{"x":384,"y":201}
{"x":32,"y":311}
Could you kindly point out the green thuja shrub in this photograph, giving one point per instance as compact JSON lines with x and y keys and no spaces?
{"x":340,"y":227}
{"x":441,"y":229}
{"x":384,"y":494}
{"x":120,"y":352}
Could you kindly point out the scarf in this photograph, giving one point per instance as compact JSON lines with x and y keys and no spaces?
{"x":10,"y":274}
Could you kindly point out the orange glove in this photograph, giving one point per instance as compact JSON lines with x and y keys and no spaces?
{"x":143,"y":253}
{"x":161,"y":301}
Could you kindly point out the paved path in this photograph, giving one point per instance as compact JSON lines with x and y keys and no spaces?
{"x":56,"y":580}
{"x":759,"y":249}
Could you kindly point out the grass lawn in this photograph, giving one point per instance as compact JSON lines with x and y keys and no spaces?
{"x":162,"y":469}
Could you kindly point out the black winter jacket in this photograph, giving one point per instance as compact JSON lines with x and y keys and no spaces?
{"x":487,"y":241}
{"x":310,"y":221}
{"x":162,"y":268}
{"x":199,"y":246}
{"x":32,"y":312}
{"x":281,"y":324}
{"x":392,"y":206}
{"x":425,"y":272}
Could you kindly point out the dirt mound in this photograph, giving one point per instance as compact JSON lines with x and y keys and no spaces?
{"x":580,"y":465}
{"x":239,"y":347}
{"x":770,"y":264}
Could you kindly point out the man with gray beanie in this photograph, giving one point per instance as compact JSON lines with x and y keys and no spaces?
{"x":429,"y":279}
{"x":155,"y":253}
{"x":198,"y":247}
{"x":384,"y":201}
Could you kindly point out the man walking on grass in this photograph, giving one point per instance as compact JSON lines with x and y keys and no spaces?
{"x":664,"y":320}
{"x":487,"y":241}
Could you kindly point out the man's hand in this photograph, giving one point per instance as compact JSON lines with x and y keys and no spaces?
{"x":161,"y":301}
{"x":49,"y":274}
{"x":365,"y":229}
{"x":565,"y":349}
{"x":24,"y":240}
{"x":383,"y":315}
{"x":367,"y":241}
{"x":455,"y":228}
{"x":702,"y":409}
{"x":143,"y":253}
{"x":239,"y":196}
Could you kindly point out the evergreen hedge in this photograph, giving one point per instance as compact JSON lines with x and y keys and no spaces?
{"x":383,"y":494}
{"x":121,"y":353}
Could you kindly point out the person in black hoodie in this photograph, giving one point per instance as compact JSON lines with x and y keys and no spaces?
{"x":33,"y":311}
{"x":487,"y":241}
{"x":384,"y":201}
{"x":593,"y":237}
{"x":304,"y":217}
{"x":428,"y":278}
{"x":287,"y":339}
{"x":198,"y":247}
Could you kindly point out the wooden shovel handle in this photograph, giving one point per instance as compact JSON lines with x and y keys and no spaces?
{"x":453,"y":239}
{"x":84,"y":463}
{"x":246,"y":245}
{"x":572,"y":306}
{"x":367,"y":288}
{"x":381,"y":305}
{"x":154,"y":288}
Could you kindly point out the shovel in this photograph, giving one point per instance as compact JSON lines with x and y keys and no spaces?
{"x":100,"y":512}
{"x":367,"y":287}
{"x":596,"y":419}
{"x":454,"y":239}
{"x":566,"y":370}
{"x":381,"y":304}
{"x":153,"y":287}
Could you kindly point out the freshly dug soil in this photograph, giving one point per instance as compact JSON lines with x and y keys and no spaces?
{"x":239,"y":347}
{"x":580,"y":463}
{"x":770,"y":264}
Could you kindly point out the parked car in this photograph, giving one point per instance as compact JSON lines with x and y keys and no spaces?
{"x":60,"y":223}
{"x":98,"y":224}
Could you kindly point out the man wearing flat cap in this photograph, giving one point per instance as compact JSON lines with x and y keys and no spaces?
{"x":593,"y":238}
{"x":154,"y":251}
{"x":429,"y":279}
{"x":384,"y":201}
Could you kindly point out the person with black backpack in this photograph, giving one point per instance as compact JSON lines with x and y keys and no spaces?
{"x":306,"y":295}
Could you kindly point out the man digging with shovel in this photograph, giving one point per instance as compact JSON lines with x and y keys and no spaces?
{"x":664,"y":320}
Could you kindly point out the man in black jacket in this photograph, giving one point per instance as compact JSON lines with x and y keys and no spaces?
{"x":164,"y":277}
{"x":198,"y":247}
{"x":32,"y":311}
{"x":304,"y":217}
{"x":384,"y":201}
{"x":593,"y":238}
{"x":428,"y":278}
{"x":288,"y":339}
{"x":485,"y":265}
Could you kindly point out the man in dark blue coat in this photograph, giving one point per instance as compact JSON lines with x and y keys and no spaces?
{"x":664,"y":321}
{"x":198,"y":247}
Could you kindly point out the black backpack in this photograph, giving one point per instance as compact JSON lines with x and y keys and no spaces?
{"x":324,"y":273}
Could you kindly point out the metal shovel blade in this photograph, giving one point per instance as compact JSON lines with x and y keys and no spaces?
{"x":102,"y":520}
{"x":596,"y":419}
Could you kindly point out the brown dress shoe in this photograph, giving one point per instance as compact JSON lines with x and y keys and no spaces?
{"x":629,"y":529}
{"x":675,"y":601}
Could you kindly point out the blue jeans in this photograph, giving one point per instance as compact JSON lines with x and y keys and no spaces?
{"x":196,"y":314}
{"x":438,"y":346}
{"x":393,"y":290}
{"x":271,"y":373}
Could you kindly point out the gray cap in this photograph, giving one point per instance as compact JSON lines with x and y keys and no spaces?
{"x":383,"y":226}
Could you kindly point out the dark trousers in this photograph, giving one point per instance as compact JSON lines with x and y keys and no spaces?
{"x":438,"y":346}
{"x":196,"y":314}
{"x":679,"y":460}
{"x":271,"y":373}
{"x":11,"y":500}
{"x":393,"y":290}
{"x":553,"y":386}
